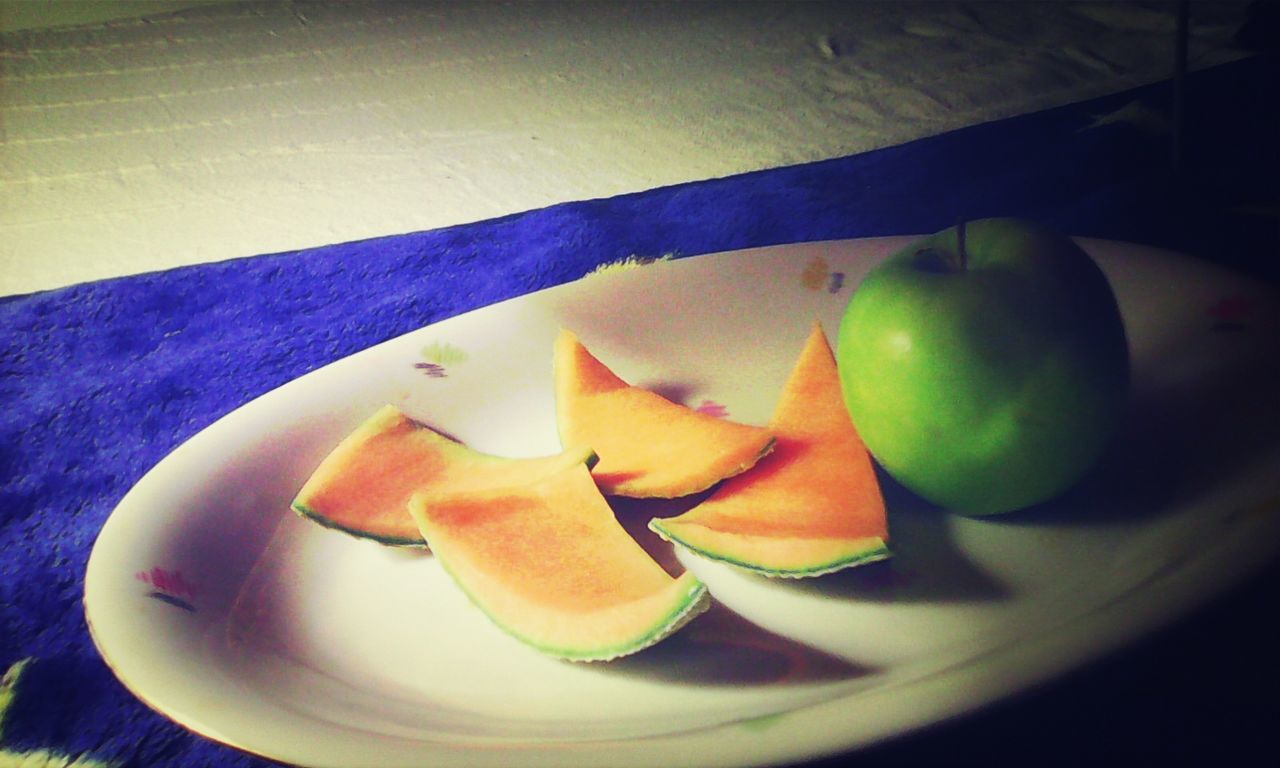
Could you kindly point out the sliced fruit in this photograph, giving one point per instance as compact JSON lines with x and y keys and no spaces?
{"x":648,"y":446}
{"x":549,"y":563}
{"x":364,"y":485}
{"x":813,"y":505}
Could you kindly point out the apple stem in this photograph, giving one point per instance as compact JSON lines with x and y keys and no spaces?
{"x":964,"y":257}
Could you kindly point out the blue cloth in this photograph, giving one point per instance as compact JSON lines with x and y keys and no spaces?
{"x":100,"y":381}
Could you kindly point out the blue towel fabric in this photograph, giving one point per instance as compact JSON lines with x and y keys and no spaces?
{"x":100,"y":381}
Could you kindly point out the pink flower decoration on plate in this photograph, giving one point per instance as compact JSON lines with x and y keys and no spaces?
{"x":712,"y":408}
{"x":1231,"y":313}
{"x":169,"y":586}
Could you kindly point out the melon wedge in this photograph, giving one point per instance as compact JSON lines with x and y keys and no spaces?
{"x":649,"y":447}
{"x":813,"y":506}
{"x":549,"y":563}
{"x":364,"y":485}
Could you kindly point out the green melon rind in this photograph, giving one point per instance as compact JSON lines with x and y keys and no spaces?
{"x":869,"y":555}
{"x":696,"y":601}
{"x":700,"y":484}
{"x":330,"y":523}
{"x":765,"y":450}
{"x":572,"y":457}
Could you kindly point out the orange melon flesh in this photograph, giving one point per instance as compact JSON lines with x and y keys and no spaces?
{"x":364,"y":485}
{"x":549,"y":563}
{"x":813,"y":505}
{"x":648,"y":446}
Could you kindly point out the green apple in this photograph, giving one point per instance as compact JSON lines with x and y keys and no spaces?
{"x":986,"y":366}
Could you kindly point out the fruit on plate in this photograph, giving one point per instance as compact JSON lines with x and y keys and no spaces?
{"x":649,"y":446}
{"x":985,"y":366}
{"x":549,"y":563}
{"x":363,"y":486}
{"x":813,"y":505}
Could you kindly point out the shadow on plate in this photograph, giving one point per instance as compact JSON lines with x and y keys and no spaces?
{"x":720,"y":648}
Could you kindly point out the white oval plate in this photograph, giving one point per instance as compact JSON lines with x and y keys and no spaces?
{"x":344,"y":653}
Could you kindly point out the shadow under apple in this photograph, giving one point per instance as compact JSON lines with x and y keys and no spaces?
{"x":1186,"y":432}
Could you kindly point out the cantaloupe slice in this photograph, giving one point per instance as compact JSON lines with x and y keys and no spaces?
{"x":649,"y":447}
{"x":363,"y":486}
{"x":813,"y":505}
{"x":549,"y":563}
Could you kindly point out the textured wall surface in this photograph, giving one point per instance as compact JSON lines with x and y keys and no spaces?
{"x":239,"y":128}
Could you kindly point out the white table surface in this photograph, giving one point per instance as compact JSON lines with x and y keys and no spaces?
{"x":138,"y":137}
